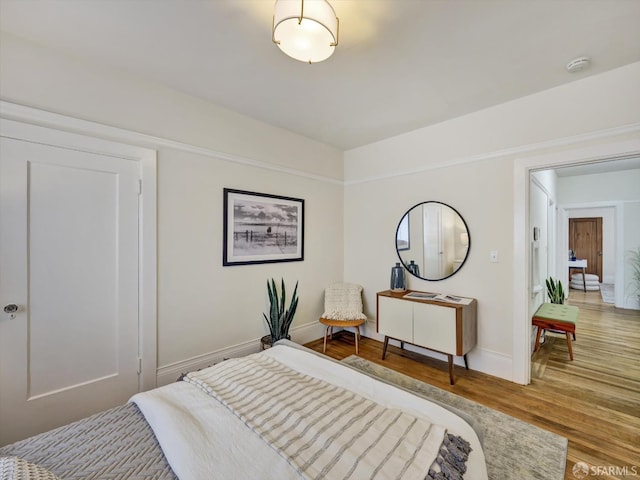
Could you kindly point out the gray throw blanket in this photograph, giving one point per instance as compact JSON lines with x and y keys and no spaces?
{"x":325,"y":431}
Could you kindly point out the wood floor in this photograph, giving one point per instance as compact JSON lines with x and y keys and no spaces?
{"x":594,"y":400}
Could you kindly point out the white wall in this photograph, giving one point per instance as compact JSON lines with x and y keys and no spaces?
{"x":203,"y":308}
{"x":468,"y":163}
{"x":602,"y":187}
{"x":373,"y":209}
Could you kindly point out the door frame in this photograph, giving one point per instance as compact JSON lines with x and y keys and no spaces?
{"x":521,"y":356}
{"x":53,"y":135}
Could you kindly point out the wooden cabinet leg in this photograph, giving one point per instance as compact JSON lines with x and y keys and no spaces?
{"x":386,"y":344}
{"x":451,"y":380}
{"x":466,"y":363}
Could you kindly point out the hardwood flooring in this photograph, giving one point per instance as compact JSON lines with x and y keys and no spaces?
{"x":593,"y":400}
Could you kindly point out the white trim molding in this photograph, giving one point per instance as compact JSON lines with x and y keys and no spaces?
{"x":170,"y":373}
{"x":480,"y":359}
{"x":23,"y":113}
{"x":507,"y":152}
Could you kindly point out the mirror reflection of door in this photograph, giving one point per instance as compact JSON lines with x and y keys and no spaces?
{"x":432,"y":240}
{"x":433,"y":247}
{"x":585,"y":239}
{"x":439,"y":240}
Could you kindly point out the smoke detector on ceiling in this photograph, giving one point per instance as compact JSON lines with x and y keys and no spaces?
{"x":578,"y":64}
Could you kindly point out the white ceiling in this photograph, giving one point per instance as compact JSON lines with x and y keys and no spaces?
{"x":400,"y":64}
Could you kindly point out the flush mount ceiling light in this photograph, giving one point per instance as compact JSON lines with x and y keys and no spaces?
{"x":306,"y":30}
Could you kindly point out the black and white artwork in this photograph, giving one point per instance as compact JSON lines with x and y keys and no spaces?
{"x":262,"y":228}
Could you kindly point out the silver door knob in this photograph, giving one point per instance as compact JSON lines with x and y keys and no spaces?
{"x":11,"y":308}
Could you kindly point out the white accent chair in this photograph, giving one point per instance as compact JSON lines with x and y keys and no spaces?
{"x":343,"y":309}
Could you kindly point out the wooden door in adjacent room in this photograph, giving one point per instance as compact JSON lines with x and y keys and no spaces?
{"x":585,"y":239}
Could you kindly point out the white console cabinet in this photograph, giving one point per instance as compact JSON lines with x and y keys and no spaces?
{"x":442,"y":326}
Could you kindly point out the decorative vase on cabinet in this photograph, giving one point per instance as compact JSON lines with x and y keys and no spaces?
{"x":397,"y":278}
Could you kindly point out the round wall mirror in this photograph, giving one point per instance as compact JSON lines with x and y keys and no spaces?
{"x":432,"y":240}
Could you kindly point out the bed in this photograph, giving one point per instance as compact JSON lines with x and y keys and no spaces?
{"x":244,"y":418}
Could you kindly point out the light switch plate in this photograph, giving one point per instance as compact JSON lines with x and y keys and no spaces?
{"x":493,"y":256}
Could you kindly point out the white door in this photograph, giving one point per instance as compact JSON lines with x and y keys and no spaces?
{"x":69,"y":262}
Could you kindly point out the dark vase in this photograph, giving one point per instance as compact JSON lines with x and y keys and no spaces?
{"x":414,"y":268}
{"x":398,"y":283}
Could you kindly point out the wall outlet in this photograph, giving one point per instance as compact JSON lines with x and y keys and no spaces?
{"x":493,"y":256}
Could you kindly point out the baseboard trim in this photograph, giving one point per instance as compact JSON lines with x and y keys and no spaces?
{"x":169,"y":373}
{"x":492,"y":363}
{"x":480,"y":359}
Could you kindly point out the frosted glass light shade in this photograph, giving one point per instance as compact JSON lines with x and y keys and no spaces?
{"x":306,"y":30}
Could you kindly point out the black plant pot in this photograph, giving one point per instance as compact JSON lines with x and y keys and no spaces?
{"x":267,"y":342}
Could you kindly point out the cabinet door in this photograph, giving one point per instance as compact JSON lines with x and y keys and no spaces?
{"x":395,"y":318}
{"x":434,"y":327}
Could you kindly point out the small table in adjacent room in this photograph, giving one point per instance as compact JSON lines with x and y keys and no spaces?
{"x":582,"y":265}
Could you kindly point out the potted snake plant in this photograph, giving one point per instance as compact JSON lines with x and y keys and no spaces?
{"x":555,"y":291}
{"x":280,"y":318}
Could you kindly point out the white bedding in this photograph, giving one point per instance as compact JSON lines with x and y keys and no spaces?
{"x":203,"y":440}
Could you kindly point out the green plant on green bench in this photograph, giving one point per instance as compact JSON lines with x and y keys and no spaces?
{"x":555,"y":291}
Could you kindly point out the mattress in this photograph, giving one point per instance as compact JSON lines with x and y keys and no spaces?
{"x":120,"y":443}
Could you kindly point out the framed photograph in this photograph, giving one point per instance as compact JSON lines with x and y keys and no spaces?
{"x":262,"y":228}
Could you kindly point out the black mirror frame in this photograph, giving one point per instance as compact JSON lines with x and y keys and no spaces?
{"x":464,"y":260}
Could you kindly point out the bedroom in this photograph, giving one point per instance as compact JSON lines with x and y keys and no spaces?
{"x":206,"y":312}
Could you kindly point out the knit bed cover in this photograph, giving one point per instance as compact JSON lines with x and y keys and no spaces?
{"x":326,"y":431}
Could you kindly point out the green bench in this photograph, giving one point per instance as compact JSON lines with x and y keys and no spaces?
{"x":558,"y":318}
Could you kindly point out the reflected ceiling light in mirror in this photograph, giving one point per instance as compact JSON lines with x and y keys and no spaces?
{"x":306,"y":30}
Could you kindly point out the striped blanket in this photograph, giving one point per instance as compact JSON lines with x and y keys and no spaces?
{"x":325,"y":431}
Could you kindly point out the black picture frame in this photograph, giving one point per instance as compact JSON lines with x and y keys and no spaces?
{"x":261,"y":228}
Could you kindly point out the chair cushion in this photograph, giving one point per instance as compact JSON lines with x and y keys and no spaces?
{"x":343,"y":301}
{"x":558,"y":312}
